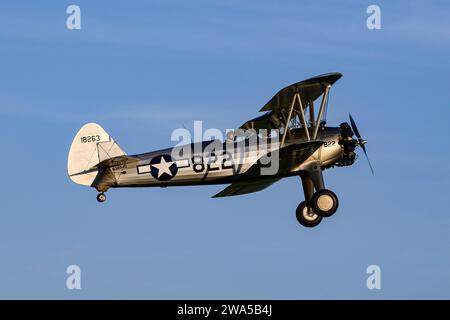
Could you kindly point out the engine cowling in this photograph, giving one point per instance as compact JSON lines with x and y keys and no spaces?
{"x":348,"y":145}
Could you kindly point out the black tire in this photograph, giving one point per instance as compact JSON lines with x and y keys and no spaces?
{"x":101,"y":197}
{"x":306,"y":219}
{"x":325,"y":203}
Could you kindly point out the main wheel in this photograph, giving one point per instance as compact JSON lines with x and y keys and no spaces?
{"x":325,"y":203}
{"x":306,"y":217}
{"x":101,"y":197}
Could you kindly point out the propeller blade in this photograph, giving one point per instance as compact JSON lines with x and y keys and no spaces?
{"x":354,"y":127}
{"x":367,"y":157}
{"x":361,"y":141}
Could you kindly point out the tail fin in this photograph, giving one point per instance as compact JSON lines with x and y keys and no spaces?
{"x":90,"y":146}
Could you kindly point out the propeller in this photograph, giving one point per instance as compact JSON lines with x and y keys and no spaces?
{"x":361,"y":141}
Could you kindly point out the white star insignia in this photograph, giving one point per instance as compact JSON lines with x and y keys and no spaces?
{"x":163,"y":167}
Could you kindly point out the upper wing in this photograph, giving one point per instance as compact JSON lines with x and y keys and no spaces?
{"x":309,"y":91}
{"x":290,"y":157}
{"x":278,"y":106}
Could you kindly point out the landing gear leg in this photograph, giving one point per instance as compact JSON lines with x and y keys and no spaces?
{"x":308,"y":186}
{"x":314,"y":171}
{"x":304,"y":213}
{"x":101,"y":197}
{"x":323,"y":202}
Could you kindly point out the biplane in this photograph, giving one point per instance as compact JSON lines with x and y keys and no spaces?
{"x":304,"y":146}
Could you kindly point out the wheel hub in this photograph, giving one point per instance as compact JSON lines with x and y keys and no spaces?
{"x":325,"y":202}
{"x":309,"y":214}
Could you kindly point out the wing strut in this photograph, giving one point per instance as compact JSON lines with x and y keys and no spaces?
{"x":322,"y":106}
{"x":288,"y":120}
{"x":312,"y":120}
{"x":302,"y":118}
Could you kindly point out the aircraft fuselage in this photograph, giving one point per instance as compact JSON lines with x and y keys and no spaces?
{"x":223,"y":164}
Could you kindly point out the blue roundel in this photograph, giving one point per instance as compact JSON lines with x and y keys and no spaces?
{"x":163,"y":168}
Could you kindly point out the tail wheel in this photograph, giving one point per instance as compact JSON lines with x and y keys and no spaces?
{"x":101,"y":197}
{"x":325,"y":203}
{"x":306,"y":217}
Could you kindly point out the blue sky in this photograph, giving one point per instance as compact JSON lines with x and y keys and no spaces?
{"x":144,"y":68}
